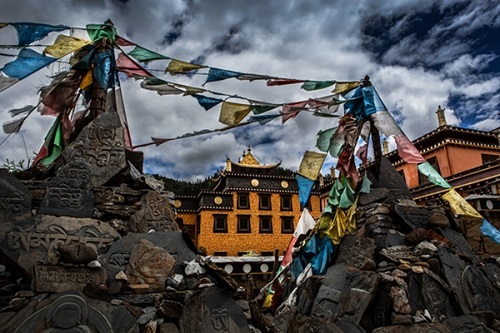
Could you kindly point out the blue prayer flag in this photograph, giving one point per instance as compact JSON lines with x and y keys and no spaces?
{"x":27,"y":62}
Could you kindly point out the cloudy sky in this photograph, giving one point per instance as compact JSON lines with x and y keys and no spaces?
{"x":418,"y":53}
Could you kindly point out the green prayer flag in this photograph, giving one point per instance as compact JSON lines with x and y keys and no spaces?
{"x":55,"y":144}
{"x":433,"y":176}
{"x":315,"y":85}
{"x":365,"y":185}
{"x":258,"y":109}
{"x":324,"y":139}
{"x":145,"y":55}
{"x":98,"y":31}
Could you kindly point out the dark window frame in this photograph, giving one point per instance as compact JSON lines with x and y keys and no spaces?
{"x":220,"y":253}
{"x":241,"y":196}
{"x":488,"y":158}
{"x":262,"y":206}
{"x":239,"y":229}
{"x":286,"y":198}
{"x":220,"y":218}
{"x":284,"y":220}
{"x":266,"y":219}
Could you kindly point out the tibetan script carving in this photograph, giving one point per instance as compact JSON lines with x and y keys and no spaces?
{"x":59,"y":279}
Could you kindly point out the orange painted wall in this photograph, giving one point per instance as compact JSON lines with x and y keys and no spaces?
{"x":233,"y":242}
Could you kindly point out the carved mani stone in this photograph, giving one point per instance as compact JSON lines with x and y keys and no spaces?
{"x":101,"y":144}
{"x":155,"y":214}
{"x":15,"y":198}
{"x":149,"y":264}
{"x":59,"y":279}
{"x":69,"y":193}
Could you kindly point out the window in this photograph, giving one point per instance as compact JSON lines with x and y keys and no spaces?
{"x":286,"y":202}
{"x":266,"y":225}
{"x":286,"y":224}
{"x":220,"y":254}
{"x":487,"y":158}
{"x":422,"y":179}
{"x":265,"y":201}
{"x":220,"y":223}
{"x":402,"y":173}
{"x":243,"y":202}
{"x":244,"y":223}
{"x":198,"y":224}
{"x":267,"y":253}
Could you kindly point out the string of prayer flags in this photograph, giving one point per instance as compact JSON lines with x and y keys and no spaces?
{"x":27,"y":63}
{"x":99,"y":31}
{"x":145,"y":55}
{"x":490,"y":231}
{"x":233,"y":113}
{"x":324,"y":139}
{"x":407,"y":150}
{"x":216,"y":74}
{"x":28,"y":33}
{"x":65,"y":45}
{"x":207,"y":102}
{"x":160,"y":86}
{"x":431,"y":174}
{"x":311,"y":164}
{"x":305,"y":187}
{"x":129,"y":67}
{"x":180,"y":67}
{"x":316,"y":85}
{"x":459,"y":205}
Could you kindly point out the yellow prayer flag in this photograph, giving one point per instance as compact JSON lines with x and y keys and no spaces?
{"x":178,"y":67}
{"x":65,"y":45}
{"x":86,"y":80}
{"x":341,"y":223}
{"x":342,"y":87}
{"x":311,"y":164}
{"x":459,"y":205}
{"x":233,"y":113}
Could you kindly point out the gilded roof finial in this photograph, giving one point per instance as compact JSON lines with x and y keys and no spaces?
{"x":441,"y":116}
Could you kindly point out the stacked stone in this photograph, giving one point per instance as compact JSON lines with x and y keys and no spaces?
{"x":407,"y":269}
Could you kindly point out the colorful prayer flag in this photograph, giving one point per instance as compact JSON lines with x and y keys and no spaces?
{"x":64,"y":45}
{"x":129,"y":67}
{"x":459,"y":205}
{"x":216,"y":74}
{"x":305,"y":187}
{"x":431,"y":174}
{"x":28,"y":33}
{"x":27,"y":63}
{"x":343,"y":87}
{"x":311,"y":164}
{"x":207,"y":102}
{"x":315,"y":85}
{"x":99,"y":31}
{"x":324,"y":139}
{"x":233,"y":113}
{"x":489,"y":230}
{"x":407,"y":150}
{"x":180,"y":67}
{"x":160,"y":86}
{"x":142,"y":54}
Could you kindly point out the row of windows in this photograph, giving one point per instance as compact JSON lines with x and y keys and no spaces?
{"x":244,"y":227}
{"x":264,"y":202}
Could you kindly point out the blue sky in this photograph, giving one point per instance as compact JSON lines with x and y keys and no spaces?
{"x":418,"y":53}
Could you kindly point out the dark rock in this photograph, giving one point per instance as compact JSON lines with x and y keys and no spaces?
{"x":155,"y":214}
{"x":438,"y":220}
{"x":306,"y":294}
{"x":465,"y":324}
{"x":360,"y":255}
{"x":460,"y":245}
{"x":101,"y":145}
{"x":169,"y":328}
{"x":76,"y":253}
{"x":328,"y":297}
{"x":212,"y":310}
{"x":15,"y":199}
{"x":413,"y":217}
{"x":149,"y":264}
{"x":71,"y":312}
{"x":60,"y":279}
{"x":416,"y":236}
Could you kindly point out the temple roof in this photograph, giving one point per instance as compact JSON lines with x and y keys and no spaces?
{"x":249,"y":164}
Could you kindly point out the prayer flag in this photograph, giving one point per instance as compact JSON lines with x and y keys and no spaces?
{"x":252,"y":77}
{"x":459,"y":205}
{"x":407,"y":150}
{"x":311,"y":164}
{"x":261,"y":108}
{"x":372,"y":101}
{"x":64,"y":45}
{"x":123,"y":42}
{"x":385,"y":123}
{"x":315,"y":85}
{"x":160,"y":86}
{"x":489,"y":230}
{"x":142,"y":54}
{"x":233,"y":113}
{"x":179,"y":67}
{"x":6,"y":82}
{"x":27,"y":63}
{"x":52,"y":146}
{"x":282,"y":82}
{"x":216,"y":74}
{"x":207,"y":102}
{"x":327,"y":104}
{"x":13,"y":126}
{"x":264,"y":118}
{"x":99,"y":31}
{"x":431,"y":174}
{"x":291,"y":110}
{"x":28,"y":33}
{"x":343,"y":87}
{"x":104,"y":69}
{"x":324,"y":139}
{"x":129,"y":67}
{"x":306,"y":223}
{"x":25,"y":109}
{"x":305,"y":187}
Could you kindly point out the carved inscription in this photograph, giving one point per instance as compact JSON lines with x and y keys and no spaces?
{"x":220,"y":319}
{"x":58,"y":279}
{"x":15,"y":198}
